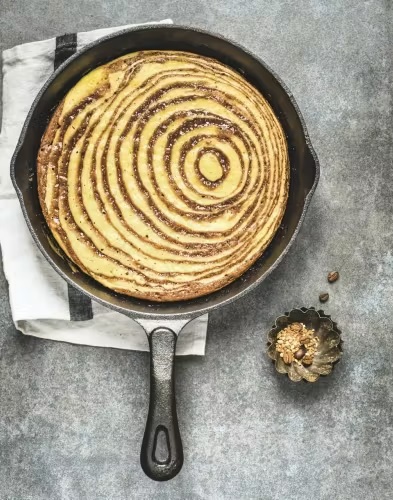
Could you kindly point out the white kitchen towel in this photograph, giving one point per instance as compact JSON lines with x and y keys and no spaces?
{"x":42,"y":303}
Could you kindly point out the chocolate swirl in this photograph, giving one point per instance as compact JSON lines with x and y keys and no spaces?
{"x":163,"y":175}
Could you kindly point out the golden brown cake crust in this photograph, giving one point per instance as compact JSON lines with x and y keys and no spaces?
{"x":163,"y":175}
{"x":43,"y":155}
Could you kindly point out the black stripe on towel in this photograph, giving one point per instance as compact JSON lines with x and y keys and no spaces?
{"x":80,"y":305}
{"x":65,"y":47}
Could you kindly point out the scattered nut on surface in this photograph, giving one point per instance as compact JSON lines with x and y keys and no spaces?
{"x":333,"y":276}
{"x":323,"y":297}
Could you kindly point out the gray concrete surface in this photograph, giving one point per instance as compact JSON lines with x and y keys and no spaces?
{"x":72,"y":418}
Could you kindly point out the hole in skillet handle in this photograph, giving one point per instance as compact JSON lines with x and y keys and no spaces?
{"x":162,"y":450}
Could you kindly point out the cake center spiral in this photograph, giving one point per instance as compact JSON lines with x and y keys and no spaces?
{"x":210,"y":167}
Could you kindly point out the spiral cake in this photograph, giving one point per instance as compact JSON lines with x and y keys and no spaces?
{"x":163,"y":175}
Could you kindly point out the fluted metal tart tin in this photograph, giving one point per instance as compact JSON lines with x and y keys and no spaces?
{"x":164,"y":321}
{"x":329,"y":350}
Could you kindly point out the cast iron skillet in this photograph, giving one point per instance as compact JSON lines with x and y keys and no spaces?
{"x":162,"y":454}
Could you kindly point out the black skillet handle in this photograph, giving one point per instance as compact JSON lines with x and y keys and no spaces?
{"x":310,"y":167}
{"x":162,"y":450}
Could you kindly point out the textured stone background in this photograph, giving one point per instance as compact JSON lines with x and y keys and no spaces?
{"x":72,"y":418}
